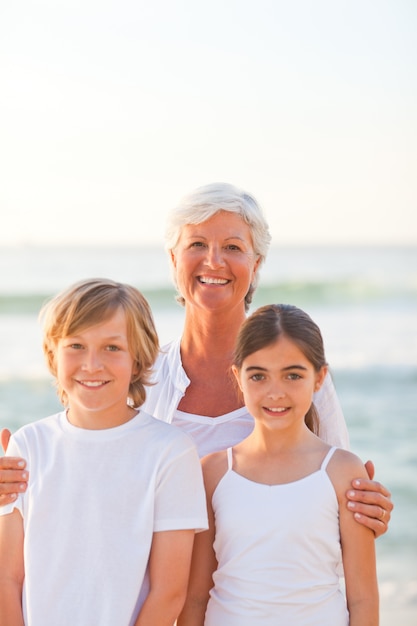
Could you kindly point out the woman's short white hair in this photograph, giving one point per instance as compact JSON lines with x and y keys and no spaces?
{"x":201,"y":204}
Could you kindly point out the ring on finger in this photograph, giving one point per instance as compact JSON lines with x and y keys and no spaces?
{"x":382,"y":515}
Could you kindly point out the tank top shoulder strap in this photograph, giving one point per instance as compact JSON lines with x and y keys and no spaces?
{"x":229,"y":459}
{"x":328,"y":457}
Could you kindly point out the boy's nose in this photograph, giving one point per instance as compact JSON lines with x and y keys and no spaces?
{"x":92,"y":361}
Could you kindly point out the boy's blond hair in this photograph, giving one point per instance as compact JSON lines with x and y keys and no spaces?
{"x":94,"y":301}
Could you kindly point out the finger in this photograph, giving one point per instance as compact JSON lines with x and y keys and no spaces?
{"x":370,"y":486}
{"x":370,"y":468}
{"x":12,"y":463}
{"x":13,"y":481}
{"x":4,"y":438}
{"x":7,"y":498}
{"x":370,"y":499}
{"x":378,"y":526}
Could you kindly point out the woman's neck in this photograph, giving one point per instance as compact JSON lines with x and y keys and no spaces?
{"x":212,"y":336}
{"x":206,"y":352}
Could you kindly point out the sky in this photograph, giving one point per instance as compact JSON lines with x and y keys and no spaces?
{"x":111,"y":111}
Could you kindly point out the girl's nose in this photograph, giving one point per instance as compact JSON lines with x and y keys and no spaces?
{"x":276,"y":391}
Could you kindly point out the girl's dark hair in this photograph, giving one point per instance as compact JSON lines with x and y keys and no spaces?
{"x":272,"y":321}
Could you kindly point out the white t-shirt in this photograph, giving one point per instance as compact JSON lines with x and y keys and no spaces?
{"x":211,"y":434}
{"x":94,"y":500}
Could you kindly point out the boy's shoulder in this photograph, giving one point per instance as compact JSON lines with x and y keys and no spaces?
{"x":44,"y":423}
{"x":164,"y":430}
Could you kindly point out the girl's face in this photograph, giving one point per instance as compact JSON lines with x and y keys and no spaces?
{"x":215,"y":262}
{"x":278,"y":383}
{"x":95,"y":369}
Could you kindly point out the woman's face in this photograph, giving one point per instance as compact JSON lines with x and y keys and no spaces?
{"x":214,"y":262}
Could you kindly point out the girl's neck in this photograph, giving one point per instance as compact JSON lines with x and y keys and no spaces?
{"x":280,"y":441}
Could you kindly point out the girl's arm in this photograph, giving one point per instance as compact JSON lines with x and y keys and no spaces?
{"x":203,"y":563}
{"x":169,"y":566}
{"x":12,"y":569}
{"x":368,"y":499}
{"x":358,"y":546}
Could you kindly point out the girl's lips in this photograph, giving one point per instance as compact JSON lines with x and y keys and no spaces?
{"x":277,"y":410}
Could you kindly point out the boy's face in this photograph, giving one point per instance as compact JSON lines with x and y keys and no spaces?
{"x":95,"y":369}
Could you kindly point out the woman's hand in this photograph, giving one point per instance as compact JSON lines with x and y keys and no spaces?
{"x":370,"y":502}
{"x":13,"y":476}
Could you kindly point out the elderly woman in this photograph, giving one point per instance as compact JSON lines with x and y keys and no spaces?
{"x":218,"y":239}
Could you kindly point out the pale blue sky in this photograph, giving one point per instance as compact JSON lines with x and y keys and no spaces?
{"x":111,"y":111}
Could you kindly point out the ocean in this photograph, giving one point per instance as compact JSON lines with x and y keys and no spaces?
{"x":363,"y":298}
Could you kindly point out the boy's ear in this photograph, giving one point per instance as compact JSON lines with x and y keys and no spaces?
{"x":320,"y":376}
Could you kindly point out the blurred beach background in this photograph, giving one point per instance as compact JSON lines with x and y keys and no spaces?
{"x":363,"y":298}
{"x":111,"y":111}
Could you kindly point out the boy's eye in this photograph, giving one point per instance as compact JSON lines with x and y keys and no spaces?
{"x":76,"y":346}
{"x":113,"y":348}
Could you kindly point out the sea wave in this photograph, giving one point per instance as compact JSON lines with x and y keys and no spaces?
{"x":302,"y":293}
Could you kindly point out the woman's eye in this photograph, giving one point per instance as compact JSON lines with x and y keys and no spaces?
{"x":233,"y":247}
{"x":113,"y":348}
{"x":197,"y":244}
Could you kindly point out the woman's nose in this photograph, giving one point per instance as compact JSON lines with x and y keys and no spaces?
{"x":214,"y":256}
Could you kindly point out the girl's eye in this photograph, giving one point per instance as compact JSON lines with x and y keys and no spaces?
{"x":257,"y":377}
{"x":294,"y":376}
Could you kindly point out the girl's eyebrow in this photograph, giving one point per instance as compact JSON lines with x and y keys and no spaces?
{"x":295,"y":367}
{"x":284,"y":369}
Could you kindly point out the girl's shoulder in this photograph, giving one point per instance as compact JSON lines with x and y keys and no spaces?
{"x":214,"y":466}
{"x":343,"y":467}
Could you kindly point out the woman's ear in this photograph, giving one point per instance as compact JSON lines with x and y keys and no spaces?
{"x":255,"y":267}
{"x":320,"y":376}
{"x":172,"y":257}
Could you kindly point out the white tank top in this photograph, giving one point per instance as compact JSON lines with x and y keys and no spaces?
{"x":278,"y":551}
